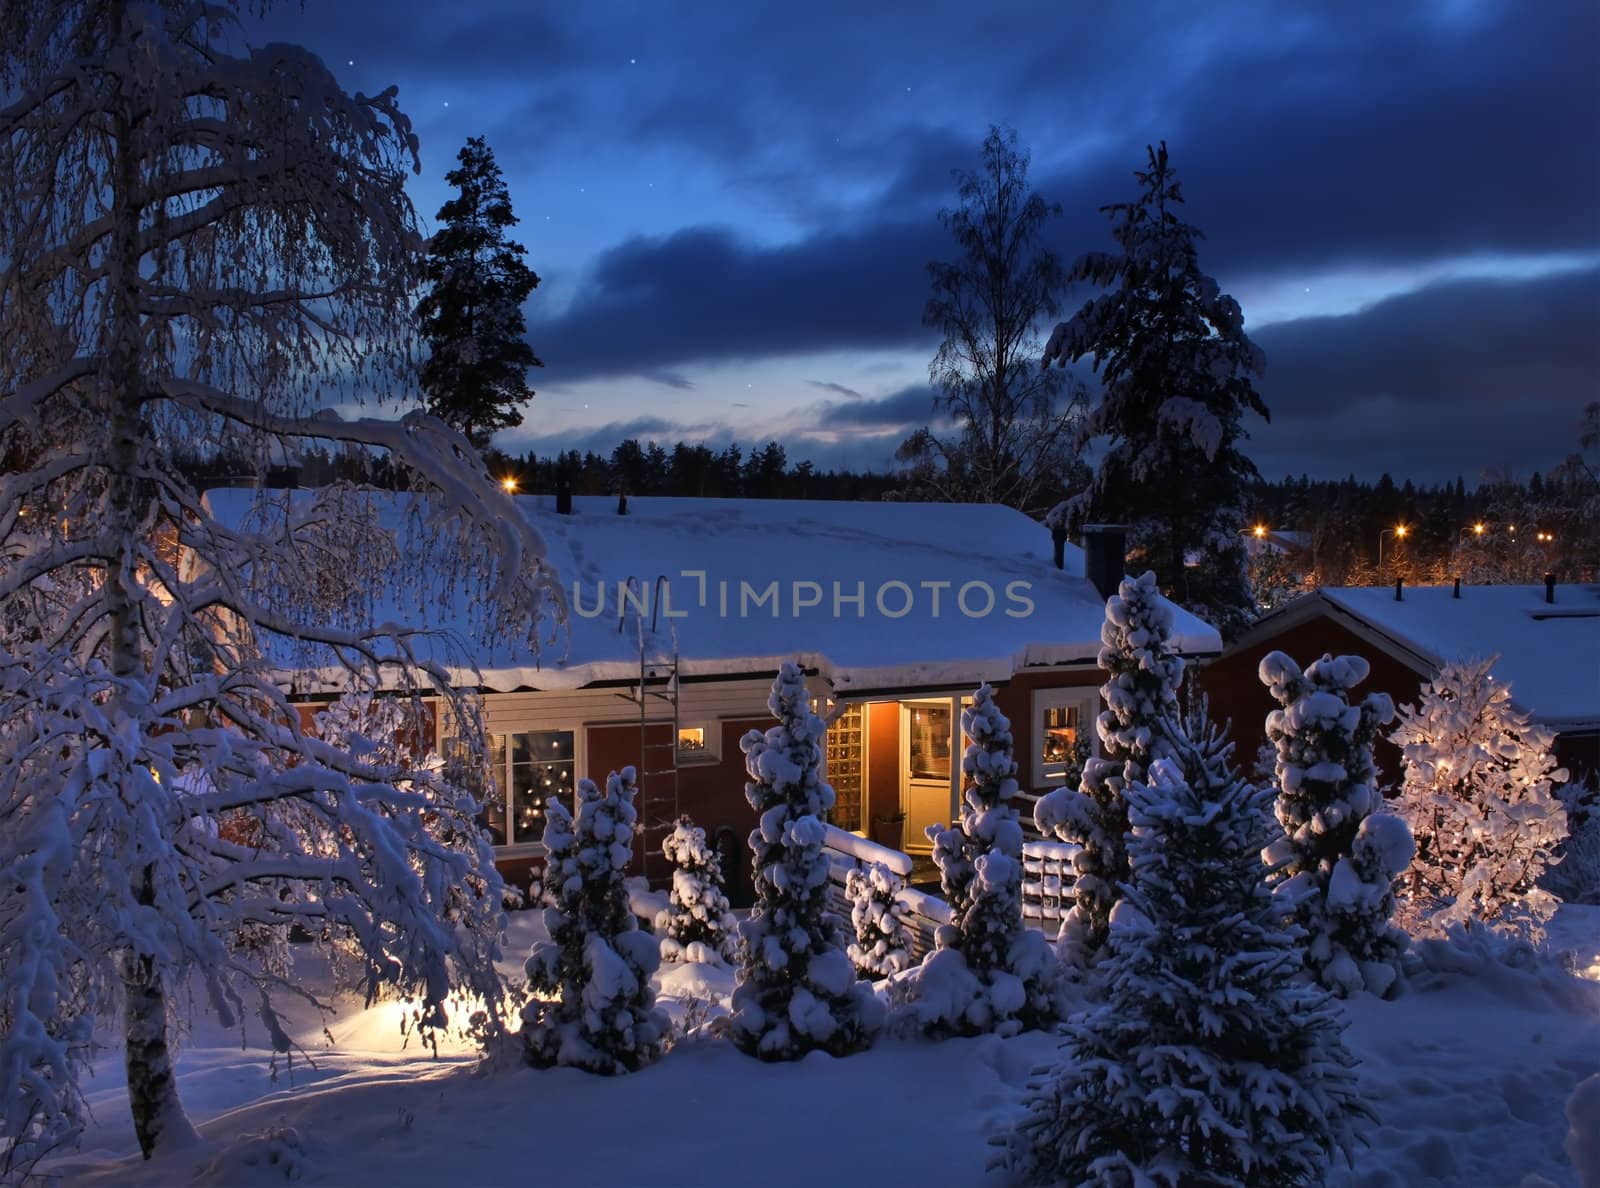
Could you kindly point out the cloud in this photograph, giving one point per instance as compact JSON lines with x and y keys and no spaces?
{"x":1447,"y":380}
{"x":838,"y":389}
{"x":669,"y":379}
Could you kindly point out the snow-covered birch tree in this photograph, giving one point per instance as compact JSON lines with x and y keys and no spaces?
{"x":1141,"y":696}
{"x":1340,"y":855}
{"x":797,"y":991}
{"x":1479,"y":795}
{"x":204,"y":244}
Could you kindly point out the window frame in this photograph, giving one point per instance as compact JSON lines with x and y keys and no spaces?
{"x":502,"y":780}
{"x":1087,"y":700}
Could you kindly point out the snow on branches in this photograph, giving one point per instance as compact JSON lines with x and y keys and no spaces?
{"x":1338,"y":861}
{"x":882,"y":921}
{"x":1479,"y":797}
{"x":1141,"y":696}
{"x":696,"y":924}
{"x":988,"y":972}
{"x":597,"y":962}
{"x":1209,"y":1061}
{"x":796,"y":991}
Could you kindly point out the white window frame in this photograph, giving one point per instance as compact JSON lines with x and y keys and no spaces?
{"x":711,"y":752}
{"x":502,"y":778}
{"x":1087,"y":700}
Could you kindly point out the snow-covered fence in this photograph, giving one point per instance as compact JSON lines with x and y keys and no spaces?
{"x":1046,"y":884}
{"x":846,"y":852}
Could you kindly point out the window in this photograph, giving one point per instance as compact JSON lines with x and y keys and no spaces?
{"x":930,"y":742}
{"x":529,"y":770}
{"x":692,"y":740}
{"x":1063,"y":733}
{"x":844,"y":757}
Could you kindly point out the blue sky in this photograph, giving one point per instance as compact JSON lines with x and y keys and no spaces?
{"x":732,"y":206}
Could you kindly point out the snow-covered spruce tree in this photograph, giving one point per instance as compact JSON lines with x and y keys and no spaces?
{"x":796,"y":992}
{"x":882,"y":921}
{"x":199,"y":246}
{"x":1141,"y":696}
{"x":987,"y":972}
{"x":1176,"y":368}
{"x":477,"y":369}
{"x":696,"y":924}
{"x":1479,"y":795}
{"x":597,"y":962}
{"x":1340,"y":855}
{"x":1210,"y":1061}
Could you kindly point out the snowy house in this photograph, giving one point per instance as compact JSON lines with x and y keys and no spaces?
{"x":1547,"y":638}
{"x":682,"y":609}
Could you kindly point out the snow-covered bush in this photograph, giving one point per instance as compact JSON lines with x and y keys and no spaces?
{"x":1575,"y":876}
{"x":1340,"y":855}
{"x":1210,"y":1060}
{"x":697,"y":924}
{"x":987,"y":972}
{"x":1141,"y":696}
{"x":597,"y":962}
{"x":1479,"y":797}
{"x":1583,"y":1134}
{"x":797,"y":991}
{"x":882,"y":921}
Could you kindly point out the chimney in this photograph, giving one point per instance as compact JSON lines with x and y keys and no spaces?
{"x":563,"y":496}
{"x":622,"y":503}
{"x":1549,"y":587}
{"x":1456,"y":593}
{"x":282,"y":478}
{"x":1105,"y":555}
{"x":1058,"y":541}
{"x":1399,"y":589}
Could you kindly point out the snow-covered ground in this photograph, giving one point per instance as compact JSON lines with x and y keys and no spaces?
{"x":1468,"y":1074}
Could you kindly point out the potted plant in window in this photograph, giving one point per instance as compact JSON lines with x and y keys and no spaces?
{"x":889,"y":829}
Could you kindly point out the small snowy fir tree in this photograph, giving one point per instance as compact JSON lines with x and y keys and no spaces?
{"x":796,"y":992}
{"x":882,"y":921}
{"x":988,"y":972}
{"x":696,"y":924}
{"x":597,"y":962}
{"x":1141,"y":696}
{"x":1340,"y":856}
{"x":1479,"y":795}
{"x":1210,"y":1060}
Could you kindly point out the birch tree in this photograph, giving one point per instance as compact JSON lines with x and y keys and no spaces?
{"x":206,"y":245}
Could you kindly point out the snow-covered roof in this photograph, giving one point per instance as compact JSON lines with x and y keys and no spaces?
{"x":1549,"y":652}
{"x":758,"y":557}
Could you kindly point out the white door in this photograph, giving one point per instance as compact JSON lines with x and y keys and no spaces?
{"x":927,"y":769}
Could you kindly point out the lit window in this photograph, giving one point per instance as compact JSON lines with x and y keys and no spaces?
{"x":692,"y":741}
{"x":526,"y":772}
{"x":930,"y":742}
{"x":1063,"y":731}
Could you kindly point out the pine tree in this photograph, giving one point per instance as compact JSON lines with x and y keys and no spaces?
{"x":1340,"y":855}
{"x":1210,"y":1061}
{"x":882,"y":921}
{"x":1479,"y":797}
{"x":1176,"y":368}
{"x":796,"y":992}
{"x":1141,"y":696}
{"x":597,"y":961}
{"x":477,"y":370}
{"x":697,"y":924}
{"x":987,"y":972}
{"x":204,"y":246}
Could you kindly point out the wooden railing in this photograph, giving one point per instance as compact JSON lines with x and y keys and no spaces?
{"x":847,"y":852}
{"x":1047,"y":879}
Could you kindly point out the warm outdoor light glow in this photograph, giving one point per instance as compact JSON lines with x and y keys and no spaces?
{"x":510,"y":484}
{"x":1400,"y":531}
{"x":1478,"y":529}
{"x":1260,"y":530}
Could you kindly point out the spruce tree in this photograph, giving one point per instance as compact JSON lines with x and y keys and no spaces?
{"x":1176,"y":368}
{"x":476,"y":375}
{"x":1340,"y":855}
{"x":697,"y":924}
{"x":597,"y":962}
{"x":1479,"y":797}
{"x":1210,"y":1061}
{"x":1141,"y":696}
{"x":987,"y":972}
{"x":882,"y":921}
{"x":796,"y":992}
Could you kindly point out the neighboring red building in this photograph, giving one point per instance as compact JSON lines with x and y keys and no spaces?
{"x":1547,"y":641}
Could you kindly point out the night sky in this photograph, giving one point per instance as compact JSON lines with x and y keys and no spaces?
{"x":731,"y":206}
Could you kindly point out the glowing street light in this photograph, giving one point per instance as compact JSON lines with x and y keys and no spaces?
{"x":509,"y":484}
{"x":1259,"y":531}
{"x":1399,"y":533}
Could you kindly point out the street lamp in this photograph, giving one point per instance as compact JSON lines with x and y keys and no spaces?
{"x":1399,"y":533}
{"x":509,"y":484}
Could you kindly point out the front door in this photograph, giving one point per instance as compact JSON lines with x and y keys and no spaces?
{"x":927,"y":775}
